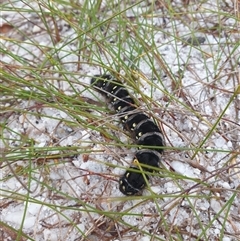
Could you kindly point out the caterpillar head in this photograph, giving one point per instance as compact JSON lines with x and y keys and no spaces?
{"x":132,"y":182}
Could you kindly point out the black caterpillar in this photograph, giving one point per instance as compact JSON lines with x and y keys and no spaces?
{"x":145,"y":131}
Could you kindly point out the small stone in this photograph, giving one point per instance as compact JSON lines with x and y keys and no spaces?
{"x":36,"y":29}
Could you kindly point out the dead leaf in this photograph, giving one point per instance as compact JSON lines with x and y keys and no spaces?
{"x":5,"y":28}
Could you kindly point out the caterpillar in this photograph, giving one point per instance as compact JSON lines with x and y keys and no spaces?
{"x":146,"y":133}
